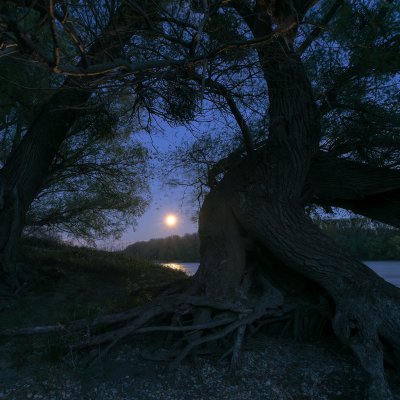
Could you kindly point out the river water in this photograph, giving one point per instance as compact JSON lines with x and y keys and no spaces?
{"x":188,"y":268}
{"x":389,"y":270}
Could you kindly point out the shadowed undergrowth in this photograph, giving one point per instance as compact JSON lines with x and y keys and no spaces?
{"x":73,"y":283}
{"x":77,"y":282}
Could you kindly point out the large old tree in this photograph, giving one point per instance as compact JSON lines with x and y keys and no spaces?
{"x":84,"y":195}
{"x":327,"y":141}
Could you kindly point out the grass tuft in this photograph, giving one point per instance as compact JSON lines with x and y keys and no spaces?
{"x":78,"y":282}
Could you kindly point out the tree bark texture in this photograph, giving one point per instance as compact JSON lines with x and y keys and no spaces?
{"x":259,"y":202}
{"x":366,"y":308}
{"x":264,"y":197}
{"x":26,"y":168}
{"x":28,"y":165}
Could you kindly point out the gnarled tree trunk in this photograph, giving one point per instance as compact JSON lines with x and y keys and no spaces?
{"x":260,"y":203}
{"x":27,"y":167}
{"x":262,"y":199}
{"x":366,"y":308}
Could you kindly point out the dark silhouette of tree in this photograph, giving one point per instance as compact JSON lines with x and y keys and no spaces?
{"x":322,"y":90}
{"x":84,"y":195}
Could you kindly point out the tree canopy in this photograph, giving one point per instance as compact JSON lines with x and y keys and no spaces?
{"x":97,"y":183}
{"x":307,"y":92}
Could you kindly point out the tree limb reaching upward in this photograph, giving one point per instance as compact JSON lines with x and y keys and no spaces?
{"x":261,"y":254}
{"x":318,"y":30}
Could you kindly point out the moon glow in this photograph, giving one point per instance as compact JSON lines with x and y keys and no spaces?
{"x":170,"y":220}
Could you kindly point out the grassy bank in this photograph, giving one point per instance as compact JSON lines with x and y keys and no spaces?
{"x":73,"y":282}
{"x":76,"y":282}
{"x":69,"y":283}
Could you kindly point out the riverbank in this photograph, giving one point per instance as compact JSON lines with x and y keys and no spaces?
{"x":388,"y":270}
{"x":189,"y":268}
{"x":271,"y":368}
{"x":79,"y":283}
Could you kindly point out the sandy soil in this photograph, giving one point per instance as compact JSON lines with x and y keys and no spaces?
{"x":271,"y":368}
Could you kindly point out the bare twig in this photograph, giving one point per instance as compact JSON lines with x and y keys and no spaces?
{"x":227,"y":94}
{"x":319,"y":29}
{"x":53,"y":29}
{"x":237,"y":348}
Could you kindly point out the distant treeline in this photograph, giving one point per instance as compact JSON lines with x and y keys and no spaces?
{"x":359,"y":237}
{"x":363,"y":239}
{"x":172,"y":248}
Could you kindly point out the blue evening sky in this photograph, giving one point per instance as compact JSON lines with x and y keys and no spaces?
{"x":165,"y":199}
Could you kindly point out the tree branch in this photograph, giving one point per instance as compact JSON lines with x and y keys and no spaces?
{"x":369,"y":191}
{"x":223,"y":91}
{"x":319,"y":29}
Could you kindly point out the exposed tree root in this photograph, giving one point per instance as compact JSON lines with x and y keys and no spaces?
{"x":366,"y":307}
{"x":163,"y":304}
{"x":237,"y":347}
{"x":225,"y":320}
{"x":365,"y":310}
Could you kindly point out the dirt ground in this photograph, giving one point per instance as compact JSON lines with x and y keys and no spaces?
{"x":272,"y":368}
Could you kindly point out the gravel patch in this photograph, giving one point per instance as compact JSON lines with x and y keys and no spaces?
{"x":271,"y":368}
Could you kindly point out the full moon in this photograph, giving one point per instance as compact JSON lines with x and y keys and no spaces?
{"x":171,"y":220}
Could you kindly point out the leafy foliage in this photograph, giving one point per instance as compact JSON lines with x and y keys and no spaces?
{"x":355,"y":77}
{"x":364,"y":239}
{"x":97,"y":184}
{"x":97,"y":192}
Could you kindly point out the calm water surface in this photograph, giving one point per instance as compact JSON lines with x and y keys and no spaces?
{"x":389,"y":270}
{"x":188,"y":268}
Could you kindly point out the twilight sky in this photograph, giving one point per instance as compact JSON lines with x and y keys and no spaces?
{"x":151,"y":224}
{"x":164,"y":198}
